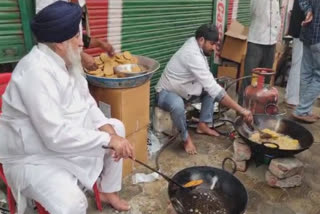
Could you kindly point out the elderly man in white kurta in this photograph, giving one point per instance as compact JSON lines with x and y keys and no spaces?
{"x":51,"y":130}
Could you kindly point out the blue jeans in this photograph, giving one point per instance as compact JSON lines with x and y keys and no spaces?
{"x":309,"y":79}
{"x":174,"y":104}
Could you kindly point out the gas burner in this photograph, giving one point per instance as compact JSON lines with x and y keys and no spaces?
{"x":261,"y":159}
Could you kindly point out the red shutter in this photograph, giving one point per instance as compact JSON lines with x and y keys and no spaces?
{"x":97,"y":18}
{"x":230,"y":10}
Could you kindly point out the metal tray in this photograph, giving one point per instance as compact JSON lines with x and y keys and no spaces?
{"x":127,"y":82}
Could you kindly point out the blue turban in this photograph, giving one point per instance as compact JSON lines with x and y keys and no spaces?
{"x":57,"y":22}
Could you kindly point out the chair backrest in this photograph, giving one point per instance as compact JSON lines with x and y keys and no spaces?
{"x":4,"y":80}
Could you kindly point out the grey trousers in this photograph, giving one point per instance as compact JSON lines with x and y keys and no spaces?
{"x":258,"y":56}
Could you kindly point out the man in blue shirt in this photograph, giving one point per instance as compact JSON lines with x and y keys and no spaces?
{"x":310,"y":68}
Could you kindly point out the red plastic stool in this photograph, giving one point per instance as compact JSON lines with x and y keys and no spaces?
{"x":40,"y":209}
{"x":11,"y":202}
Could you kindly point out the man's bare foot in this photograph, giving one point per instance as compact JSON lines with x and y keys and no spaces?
{"x":115,"y":201}
{"x":189,"y":147}
{"x":203,"y":128}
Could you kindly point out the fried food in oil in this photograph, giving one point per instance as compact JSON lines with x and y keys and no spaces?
{"x":284,"y":141}
{"x":193,"y":183}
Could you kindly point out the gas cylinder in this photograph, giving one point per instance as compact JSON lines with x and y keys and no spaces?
{"x":259,"y":97}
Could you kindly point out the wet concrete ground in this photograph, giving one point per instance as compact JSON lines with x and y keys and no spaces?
{"x":152,"y":198}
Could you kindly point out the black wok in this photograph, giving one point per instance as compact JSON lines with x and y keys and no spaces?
{"x":228,"y":187}
{"x":278,"y":124}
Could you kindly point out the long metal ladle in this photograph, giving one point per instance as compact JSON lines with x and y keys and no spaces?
{"x":152,"y":169}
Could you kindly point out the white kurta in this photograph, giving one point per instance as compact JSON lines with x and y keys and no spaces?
{"x":48,"y":121}
{"x":188,"y":73}
{"x":265,"y":22}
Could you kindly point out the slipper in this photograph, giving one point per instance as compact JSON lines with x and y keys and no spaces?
{"x":305,"y":118}
{"x":317,"y":117}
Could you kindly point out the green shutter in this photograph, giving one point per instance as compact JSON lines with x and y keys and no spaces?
{"x":15,"y":34}
{"x":157,"y":29}
{"x":243,"y":15}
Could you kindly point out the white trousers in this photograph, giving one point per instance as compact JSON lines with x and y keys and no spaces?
{"x":293,"y":85}
{"x":58,"y":191}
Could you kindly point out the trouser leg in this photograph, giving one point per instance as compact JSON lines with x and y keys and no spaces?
{"x":207,"y":105}
{"x":253,"y":60}
{"x":309,"y":81}
{"x":58,"y":193}
{"x":111,"y":175}
{"x":293,"y":85}
{"x":174,"y":104}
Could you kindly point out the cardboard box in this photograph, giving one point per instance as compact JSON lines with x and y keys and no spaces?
{"x":228,"y":71}
{"x":235,"y":42}
{"x":139,"y":141}
{"x":131,"y":105}
{"x":231,"y":72}
{"x":127,"y":167}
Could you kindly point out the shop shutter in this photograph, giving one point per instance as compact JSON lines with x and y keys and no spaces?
{"x":157,"y":29}
{"x":15,"y":34}
{"x":243,"y":14}
{"x":230,"y":11}
{"x":152,"y":28}
{"x":97,"y":22}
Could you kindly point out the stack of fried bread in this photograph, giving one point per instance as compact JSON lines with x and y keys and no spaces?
{"x":106,"y":64}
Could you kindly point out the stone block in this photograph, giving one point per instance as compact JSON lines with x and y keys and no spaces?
{"x":162,"y":122}
{"x":286,"y":167}
{"x":274,"y":181}
{"x":241,"y":151}
{"x":170,"y":209}
{"x":241,"y":166}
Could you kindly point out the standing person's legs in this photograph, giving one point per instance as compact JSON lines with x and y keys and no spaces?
{"x":253,"y":60}
{"x":314,"y":89}
{"x":268,"y":52}
{"x":206,"y":115}
{"x":308,"y":73}
{"x":174,"y":104}
{"x":111,"y":175}
{"x":292,"y":89}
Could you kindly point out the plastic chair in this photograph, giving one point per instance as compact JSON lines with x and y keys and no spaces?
{"x":4,"y":80}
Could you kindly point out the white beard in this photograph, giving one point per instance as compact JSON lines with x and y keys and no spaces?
{"x":75,"y":69}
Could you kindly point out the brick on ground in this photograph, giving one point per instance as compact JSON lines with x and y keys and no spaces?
{"x":241,"y":151}
{"x":286,"y":167}
{"x":163,"y":123}
{"x":274,"y":181}
{"x":241,"y":166}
